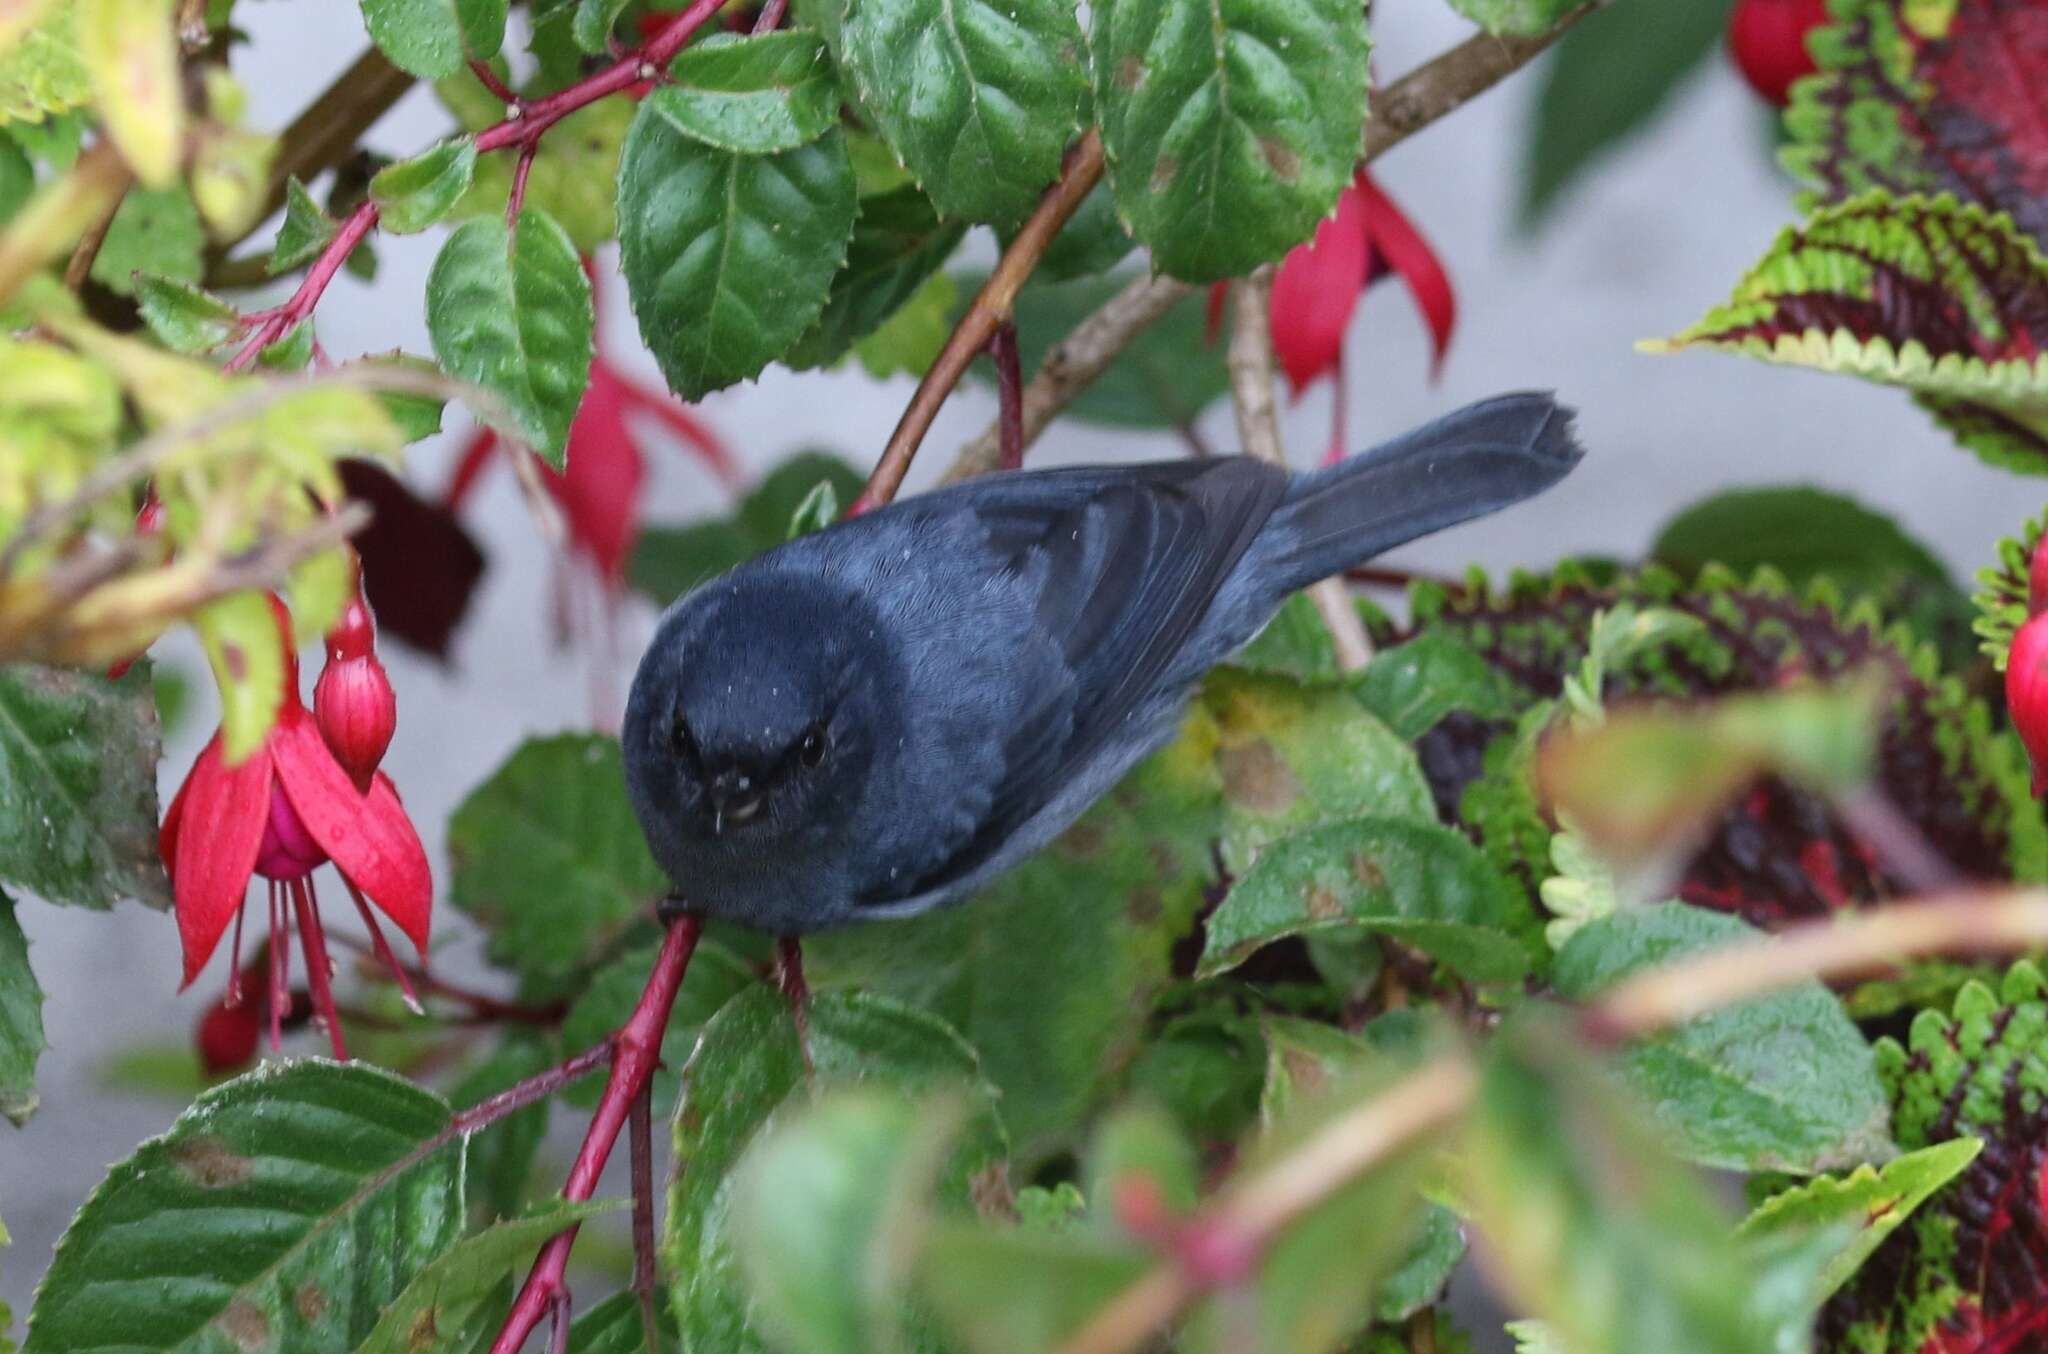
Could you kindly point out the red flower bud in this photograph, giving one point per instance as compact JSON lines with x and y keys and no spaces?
{"x":227,"y":1037}
{"x":2026,"y":694}
{"x":2037,"y":578}
{"x":356,"y":709}
{"x":1767,"y":38}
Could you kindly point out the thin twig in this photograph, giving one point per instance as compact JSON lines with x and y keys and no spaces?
{"x":80,"y":266}
{"x":991,"y":307}
{"x":640,"y":1145}
{"x":1258,"y":428}
{"x":1002,"y":350}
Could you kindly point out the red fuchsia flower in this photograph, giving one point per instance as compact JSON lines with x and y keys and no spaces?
{"x":2026,"y":694}
{"x":353,"y":702}
{"x":1317,"y":288}
{"x":282,"y":813}
{"x":1767,"y":38}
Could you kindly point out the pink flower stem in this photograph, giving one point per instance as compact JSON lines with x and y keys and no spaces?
{"x":383,"y":948}
{"x":636,"y":1052}
{"x":523,"y":126}
{"x":319,"y":973}
{"x":516,"y":198}
{"x":280,"y":967}
{"x":640,"y":1143}
{"x":770,"y":20}
{"x":234,"y":997}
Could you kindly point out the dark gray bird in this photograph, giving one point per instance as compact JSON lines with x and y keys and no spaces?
{"x":876,"y":719}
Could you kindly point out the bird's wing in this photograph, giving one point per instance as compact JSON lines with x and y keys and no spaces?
{"x":1123,"y":564}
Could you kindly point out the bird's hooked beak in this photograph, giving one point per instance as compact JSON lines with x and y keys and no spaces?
{"x":734,"y":797}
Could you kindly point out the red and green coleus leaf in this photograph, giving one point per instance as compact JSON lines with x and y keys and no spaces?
{"x":1968,"y":1272}
{"x":1778,"y":855}
{"x":2005,"y":590}
{"x":1926,"y":96}
{"x":1946,"y":299}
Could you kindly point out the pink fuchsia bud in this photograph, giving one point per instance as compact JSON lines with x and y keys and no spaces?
{"x":227,"y":1037}
{"x":357,"y":711}
{"x":2037,"y":578}
{"x":288,"y":850}
{"x":2026,"y":694}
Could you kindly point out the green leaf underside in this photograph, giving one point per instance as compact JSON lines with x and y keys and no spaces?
{"x":729,"y":257}
{"x":514,"y":316}
{"x":746,"y":1067}
{"x":898,"y":242}
{"x":1420,"y":882}
{"x":21,"y":1021}
{"x":1926,"y":97}
{"x":548,"y":858}
{"x":1939,"y":297}
{"x":284,"y":1210}
{"x":1230,"y":127}
{"x":977,"y":99}
{"x":1514,"y":18}
{"x":451,"y":1297}
{"x":1782,"y":1083}
{"x":414,"y":194}
{"x":78,"y":807}
{"x":304,"y":232}
{"x":757,"y":95}
{"x":153,"y":231}
{"x":183,"y":317}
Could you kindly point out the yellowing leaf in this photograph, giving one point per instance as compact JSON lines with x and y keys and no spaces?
{"x":131,"y":52}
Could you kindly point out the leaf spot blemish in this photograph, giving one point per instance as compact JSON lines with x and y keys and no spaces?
{"x":1162,"y":174}
{"x":1321,"y":903}
{"x":1286,"y":164}
{"x":1257,"y":780}
{"x":1146,"y":905}
{"x":1367,"y":871}
{"x":1130,"y":73}
{"x":207,"y":1162}
{"x":246,"y":1325}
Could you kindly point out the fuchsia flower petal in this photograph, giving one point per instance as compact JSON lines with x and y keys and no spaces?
{"x":2026,"y":694}
{"x":1394,"y":238}
{"x":218,"y":820}
{"x":600,"y":491}
{"x":1315,"y":293}
{"x":369,"y":837}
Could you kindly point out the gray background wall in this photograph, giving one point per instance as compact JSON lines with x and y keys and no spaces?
{"x":1658,"y":235}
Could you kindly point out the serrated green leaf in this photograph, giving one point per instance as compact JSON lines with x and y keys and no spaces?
{"x":132,"y":52}
{"x":593,"y":24}
{"x":977,"y":99}
{"x":898,"y":244}
{"x":414,"y":194}
{"x":758,"y":95}
{"x":42,"y":72}
{"x":1421,"y":882}
{"x":1412,"y":686}
{"x":355,"y":1179}
{"x":432,"y":38}
{"x":78,"y":804}
{"x":668,"y":561}
{"x":1873,"y":1201}
{"x":729,"y":257}
{"x":718,"y":971}
{"x":1515,"y":18}
{"x":21,"y":1025}
{"x":1231,"y":126}
{"x":157,"y":232}
{"x":749,"y":1066}
{"x":615,"y":1326}
{"x":183,"y":317}
{"x":514,"y":316}
{"x":548,"y":858}
{"x":305,"y":231}
{"x":415,"y":416}
{"x":1785,"y":1082}
{"x":446,"y":1296}
{"x":1609,"y":77}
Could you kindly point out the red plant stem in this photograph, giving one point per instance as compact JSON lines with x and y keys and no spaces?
{"x":516,"y":198}
{"x":770,"y":20}
{"x":488,"y":78}
{"x":640,"y":1143}
{"x":636,"y":1052}
{"x":280,"y":969}
{"x":319,"y":974}
{"x":535,"y":1088}
{"x":523,"y":127}
{"x":1002,"y":349}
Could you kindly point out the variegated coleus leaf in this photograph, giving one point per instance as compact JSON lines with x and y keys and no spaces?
{"x":1944,"y":298}
{"x":2003,"y":589}
{"x":1968,"y":1272}
{"x":1927,"y":96}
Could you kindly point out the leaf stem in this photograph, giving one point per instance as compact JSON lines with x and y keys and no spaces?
{"x":991,"y":308}
{"x":1002,"y":350}
{"x":635,"y":1053}
{"x":640,"y":1144}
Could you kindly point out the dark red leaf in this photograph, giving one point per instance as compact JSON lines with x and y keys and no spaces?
{"x":420,"y":566}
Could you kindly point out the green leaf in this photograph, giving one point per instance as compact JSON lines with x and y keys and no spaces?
{"x":154,"y":231}
{"x":909,"y":341}
{"x":729,"y":257}
{"x":17,"y":178}
{"x":414,"y":194}
{"x":415,"y":416}
{"x":1230,"y":126}
{"x":749,"y":1069}
{"x":433,"y":38}
{"x":449,"y":1294}
{"x":1019,"y":1291}
{"x":758,"y":95}
{"x":284,"y":1210}
{"x":1412,"y":686}
{"x":1295,"y":757}
{"x":718,"y":972}
{"x":131,"y":50}
{"x":1872,"y":1202}
{"x":1610,"y":77}
{"x":247,"y":657}
{"x":1093,"y":241}
{"x":1204,"y":1067}
{"x":593,"y":24}
{"x":21,"y":1024}
{"x":819,"y":510}
{"x":574,"y":176}
{"x":501,"y":1155}
{"x":1421,"y":882}
{"x":1801,"y":532}
{"x":1589,"y":1225}
{"x":668,"y":561}
{"x":898,"y":244}
{"x":514,"y":316}
{"x":78,"y":808}
{"x":43,"y":72}
{"x":182,"y":316}
{"x":615,"y":1326}
{"x":1515,"y":18}
{"x":1165,"y":377}
{"x":1785,"y":1082}
{"x":977,"y":99}
{"x":547,"y":857}
{"x":1295,"y":643}
{"x":305,"y":231}
{"x":1856,"y":288}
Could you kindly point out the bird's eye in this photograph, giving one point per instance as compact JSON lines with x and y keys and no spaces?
{"x":811,"y":749}
{"x":682,"y":740}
